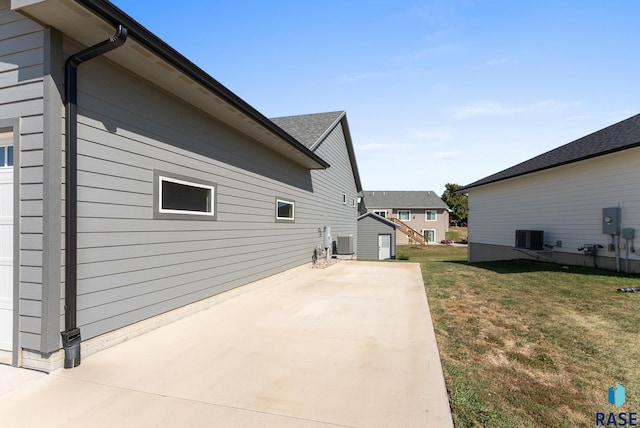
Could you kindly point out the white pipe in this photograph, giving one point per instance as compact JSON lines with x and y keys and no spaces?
{"x":616,"y":240}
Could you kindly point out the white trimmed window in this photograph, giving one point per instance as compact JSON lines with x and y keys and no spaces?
{"x":404,"y":215}
{"x":177,"y":196}
{"x":285,"y":210}
{"x":382,"y":214}
{"x":6,"y":156}
{"x":354,"y":202}
{"x":344,"y":198}
{"x":6,"y":149}
{"x":431,"y":215}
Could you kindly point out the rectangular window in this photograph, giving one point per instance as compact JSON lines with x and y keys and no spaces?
{"x":353,"y":202}
{"x":404,"y":215}
{"x":285,"y":210}
{"x":183,"y":198}
{"x":382,"y":214}
{"x":431,"y":215}
{"x":344,"y":198}
{"x":6,"y":156}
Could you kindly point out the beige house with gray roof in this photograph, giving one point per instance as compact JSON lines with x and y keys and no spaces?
{"x":422,"y":216}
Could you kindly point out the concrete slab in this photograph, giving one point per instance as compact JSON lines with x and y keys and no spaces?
{"x":12,"y":378}
{"x":351,"y":345}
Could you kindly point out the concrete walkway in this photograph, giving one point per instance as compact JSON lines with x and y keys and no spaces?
{"x":348,"y":346}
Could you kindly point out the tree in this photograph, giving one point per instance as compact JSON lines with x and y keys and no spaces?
{"x":457,"y":202}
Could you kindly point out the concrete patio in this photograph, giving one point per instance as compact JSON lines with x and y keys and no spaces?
{"x":351,"y":345}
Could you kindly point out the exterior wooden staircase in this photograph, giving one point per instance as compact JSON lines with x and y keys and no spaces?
{"x":413,"y":235}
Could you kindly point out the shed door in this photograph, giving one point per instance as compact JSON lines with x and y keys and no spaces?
{"x":6,"y":240}
{"x":384,"y":247}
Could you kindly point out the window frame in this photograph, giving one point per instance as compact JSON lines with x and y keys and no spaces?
{"x":426,"y":215}
{"x":377,"y":212}
{"x":435,"y":235}
{"x":8,"y":155}
{"x":171,"y":214}
{"x":408,"y":215}
{"x":291,"y":219}
{"x":344,"y":199}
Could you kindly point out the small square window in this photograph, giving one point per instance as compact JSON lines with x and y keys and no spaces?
{"x":431,"y":215}
{"x":285,"y":210}
{"x":404,"y":215}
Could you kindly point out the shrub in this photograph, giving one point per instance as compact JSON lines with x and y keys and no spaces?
{"x":402,"y":256}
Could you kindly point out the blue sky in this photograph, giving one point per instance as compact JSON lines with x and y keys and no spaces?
{"x":435,"y":91}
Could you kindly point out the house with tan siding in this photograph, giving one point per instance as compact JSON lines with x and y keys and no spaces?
{"x":422,"y":217}
{"x":134,"y":186}
{"x":580,"y":204}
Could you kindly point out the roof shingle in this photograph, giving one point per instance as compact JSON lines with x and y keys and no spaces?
{"x":620,"y":136}
{"x":402,"y":199}
{"x":308,"y":128}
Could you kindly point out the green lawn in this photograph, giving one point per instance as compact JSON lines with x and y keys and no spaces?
{"x":527,"y":344}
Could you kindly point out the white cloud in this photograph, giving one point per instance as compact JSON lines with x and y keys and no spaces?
{"x":492,"y":108}
{"x":371,"y":148}
{"x":440,"y":134}
{"x":553,"y":106}
{"x":453,"y":154}
{"x":435,"y":51}
{"x":362,"y":75}
{"x":500,"y":61}
{"x":483,"y":108}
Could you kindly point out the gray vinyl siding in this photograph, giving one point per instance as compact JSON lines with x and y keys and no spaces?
{"x":22,"y":46}
{"x":369,"y":229}
{"x":329,"y":186}
{"x":132,"y":266}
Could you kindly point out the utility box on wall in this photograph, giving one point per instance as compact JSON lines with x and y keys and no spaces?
{"x":611,"y":219}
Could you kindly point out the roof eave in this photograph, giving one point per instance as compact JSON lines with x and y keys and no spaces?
{"x":481,"y":183}
{"x":280,"y":141}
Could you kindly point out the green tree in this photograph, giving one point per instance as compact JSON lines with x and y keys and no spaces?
{"x":457,"y":202}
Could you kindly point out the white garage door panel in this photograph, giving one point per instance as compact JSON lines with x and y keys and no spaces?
{"x":6,"y":254}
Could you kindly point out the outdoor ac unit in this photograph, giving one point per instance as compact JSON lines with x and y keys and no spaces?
{"x":345,"y":244}
{"x":530,"y":239}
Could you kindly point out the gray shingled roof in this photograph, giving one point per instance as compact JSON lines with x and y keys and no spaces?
{"x":620,"y":136}
{"x":380,"y":219}
{"x":308,"y":128}
{"x":311,"y":130}
{"x":402,"y":199}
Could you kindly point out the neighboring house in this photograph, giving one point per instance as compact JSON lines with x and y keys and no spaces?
{"x":577,"y":199}
{"x":181,"y":189}
{"x":419,"y":214}
{"x":376,"y":237}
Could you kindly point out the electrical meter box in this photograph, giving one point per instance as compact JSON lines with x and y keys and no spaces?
{"x":611,"y":221}
{"x":628,"y":233}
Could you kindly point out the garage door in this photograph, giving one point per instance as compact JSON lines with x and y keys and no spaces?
{"x":6,"y":240}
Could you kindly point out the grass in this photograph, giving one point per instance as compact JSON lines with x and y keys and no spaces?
{"x":456,"y":233}
{"x":528,"y":344}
